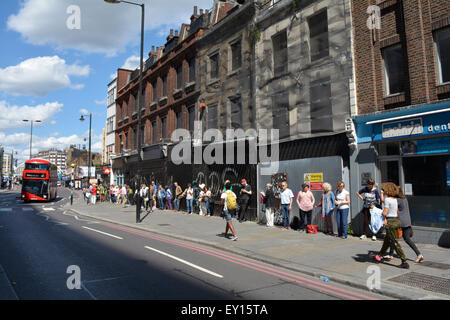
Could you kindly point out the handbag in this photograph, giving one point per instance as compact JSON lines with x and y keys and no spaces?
{"x":399,"y":233}
{"x":312,"y":228}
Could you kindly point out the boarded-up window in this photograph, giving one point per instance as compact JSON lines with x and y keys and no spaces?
{"x":191,"y":119}
{"x":280,"y":114}
{"x":320,"y":106}
{"x":163,"y":127}
{"x":318,"y":36}
{"x":179,"y":76}
{"x":154,"y":132}
{"x":212,"y":117}
{"x":192,"y":70}
{"x":280,"y":53}
{"x":236,"y":55}
{"x":214,"y":66}
{"x":236,"y":113}
{"x":179,"y":120}
{"x":155,"y":92}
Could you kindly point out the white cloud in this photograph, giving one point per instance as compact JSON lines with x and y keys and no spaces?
{"x":101,"y":102}
{"x":40,"y":76}
{"x":131,"y":63}
{"x":84,"y":112}
{"x":105,"y":28}
{"x":11,"y":117}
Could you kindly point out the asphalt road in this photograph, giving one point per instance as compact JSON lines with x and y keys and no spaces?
{"x":41,"y":245}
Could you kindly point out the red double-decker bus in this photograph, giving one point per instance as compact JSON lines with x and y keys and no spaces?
{"x":39,"y":180}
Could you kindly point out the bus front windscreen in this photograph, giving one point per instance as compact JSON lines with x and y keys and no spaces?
{"x":36,"y":166}
{"x":36,"y":187}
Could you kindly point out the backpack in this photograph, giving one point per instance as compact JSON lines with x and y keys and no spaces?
{"x":231,"y":201}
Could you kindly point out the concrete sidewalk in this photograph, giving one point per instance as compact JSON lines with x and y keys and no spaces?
{"x":343,"y":261}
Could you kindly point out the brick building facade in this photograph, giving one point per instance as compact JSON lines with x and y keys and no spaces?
{"x":402,"y":121}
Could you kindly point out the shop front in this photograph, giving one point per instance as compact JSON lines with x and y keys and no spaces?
{"x":410,"y":147}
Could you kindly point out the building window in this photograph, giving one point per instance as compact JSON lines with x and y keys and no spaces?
{"x":442,"y":43}
{"x":180,"y":76}
{"x":321,"y":111}
{"x":154,"y":137}
{"x":164,"y":79}
{"x":236,"y":55}
{"x":126,"y":140}
{"x":318,"y":36}
{"x":142,"y":133}
{"x":236,"y":114}
{"x":110,"y":97}
{"x":192,"y":70}
{"x":135,"y":101}
{"x":280,"y":114}
{"x":212,"y":117}
{"x":394,"y":73}
{"x":134,"y":138}
{"x":179,"y":120}
{"x":280,"y":54}
{"x":143,"y":97}
{"x":191,"y":111}
{"x":120,"y":143}
{"x":163,"y":127}
{"x":155,"y":92}
{"x":214,"y":66}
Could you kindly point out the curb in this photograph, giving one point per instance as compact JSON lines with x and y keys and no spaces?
{"x":335,"y":277}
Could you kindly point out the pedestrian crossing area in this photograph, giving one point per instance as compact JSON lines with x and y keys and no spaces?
{"x":23,"y":209}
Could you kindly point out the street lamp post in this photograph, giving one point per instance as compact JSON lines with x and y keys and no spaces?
{"x":138,"y":195}
{"x":89,"y":155}
{"x":31,"y":134}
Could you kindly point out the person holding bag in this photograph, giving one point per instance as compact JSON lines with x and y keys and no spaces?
{"x":391,"y":223}
{"x":328,"y":204}
{"x":405,"y":219}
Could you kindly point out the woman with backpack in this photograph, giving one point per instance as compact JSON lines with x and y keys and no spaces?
{"x":228,"y":205}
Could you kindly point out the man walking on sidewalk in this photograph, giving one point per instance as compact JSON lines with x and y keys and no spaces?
{"x":228,"y":205}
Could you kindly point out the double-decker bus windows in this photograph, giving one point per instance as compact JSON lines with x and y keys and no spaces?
{"x":36,"y":166}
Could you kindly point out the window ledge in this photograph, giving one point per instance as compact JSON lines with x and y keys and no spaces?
{"x":162,"y":101}
{"x":386,"y":4}
{"x":214,"y":82}
{"x":394,"y":98}
{"x":188,"y":87}
{"x":234,"y":72}
{"x":443,"y":88}
{"x":177,"y":93}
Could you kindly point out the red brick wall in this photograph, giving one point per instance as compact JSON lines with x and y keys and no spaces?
{"x":408,"y":22}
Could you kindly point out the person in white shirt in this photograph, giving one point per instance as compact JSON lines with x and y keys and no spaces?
{"x":287,"y":197}
{"x":392,"y":223}
{"x":342,"y":203}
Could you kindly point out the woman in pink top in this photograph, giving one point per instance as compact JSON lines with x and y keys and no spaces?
{"x":305,"y":201}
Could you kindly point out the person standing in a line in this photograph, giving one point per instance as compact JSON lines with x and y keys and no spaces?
{"x":328,"y":204}
{"x":189,"y":193}
{"x":405,"y":220}
{"x":244,"y":198}
{"x":161,"y":196}
{"x":202,"y":200}
{"x":342,"y":203}
{"x":124,"y":196}
{"x":269,"y":203}
{"x":370,"y":196}
{"x":169,"y":198}
{"x":178,"y":196}
{"x":305,"y":201}
{"x":155,"y":190}
{"x":391,"y":223}
{"x":228,"y":206}
{"x":287,"y":197}
{"x":207,"y":199}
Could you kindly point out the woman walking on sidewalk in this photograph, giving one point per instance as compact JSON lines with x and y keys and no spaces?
{"x":405,"y":219}
{"x":305,"y":201}
{"x":391,"y":223}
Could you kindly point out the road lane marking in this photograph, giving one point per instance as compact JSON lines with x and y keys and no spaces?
{"x":186,"y":262}
{"x":108,"y":234}
{"x":6,"y":209}
{"x":27,"y":209}
{"x":48,"y":209}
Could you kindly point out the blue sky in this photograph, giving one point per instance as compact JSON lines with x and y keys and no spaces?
{"x":51,"y":72}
